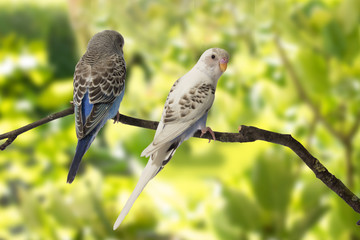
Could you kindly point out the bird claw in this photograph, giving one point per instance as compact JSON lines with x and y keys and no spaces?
{"x":117,"y":118}
{"x":239,"y":128}
{"x":208,"y":129}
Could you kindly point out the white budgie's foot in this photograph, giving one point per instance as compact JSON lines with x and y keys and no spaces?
{"x":208,"y":129}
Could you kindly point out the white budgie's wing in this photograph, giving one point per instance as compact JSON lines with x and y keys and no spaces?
{"x":178,"y":116}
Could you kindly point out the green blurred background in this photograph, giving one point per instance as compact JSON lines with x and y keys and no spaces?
{"x":208,"y":191}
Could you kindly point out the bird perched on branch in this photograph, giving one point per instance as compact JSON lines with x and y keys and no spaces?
{"x":184,"y":113}
{"x":99,"y":85}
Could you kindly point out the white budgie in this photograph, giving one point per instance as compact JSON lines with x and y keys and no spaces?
{"x":184,"y":113}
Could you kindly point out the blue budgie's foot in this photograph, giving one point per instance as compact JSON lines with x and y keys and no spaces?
{"x":208,"y":129}
{"x":117,"y":118}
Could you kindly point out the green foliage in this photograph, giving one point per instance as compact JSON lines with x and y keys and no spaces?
{"x":207,"y":191}
{"x":273,"y":180}
{"x":61,"y":47}
{"x":241,"y":211}
{"x":268,"y":213}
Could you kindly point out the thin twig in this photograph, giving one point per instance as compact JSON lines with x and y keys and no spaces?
{"x":246,"y":134}
{"x":302,"y":93}
{"x":11,"y":136}
{"x":354,"y":128}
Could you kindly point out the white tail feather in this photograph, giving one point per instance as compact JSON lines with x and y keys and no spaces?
{"x":148,"y":173}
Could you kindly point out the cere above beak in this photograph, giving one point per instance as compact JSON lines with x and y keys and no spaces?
{"x":223,"y":64}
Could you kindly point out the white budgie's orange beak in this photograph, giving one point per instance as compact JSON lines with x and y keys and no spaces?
{"x":223,"y":64}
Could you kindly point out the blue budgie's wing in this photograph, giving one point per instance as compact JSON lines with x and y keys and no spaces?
{"x":81,"y":79}
{"x":102,"y":83}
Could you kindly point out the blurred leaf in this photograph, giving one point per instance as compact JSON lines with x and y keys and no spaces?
{"x":34,"y":216}
{"x":313,"y":71}
{"x":334,"y":41}
{"x":312,"y":194}
{"x":224,"y":228}
{"x":143,"y":139}
{"x":107,"y":163}
{"x":352,"y":46}
{"x":343,"y":219}
{"x":302,"y":226}
{"x":349,"y":15}
{"x":311,"y":5}
{"x":61,"y":209}
{"x":273,"y":180}
{"x":15,"y":16}
{"x":240,"y":210}
{"x":59,"y":90}
{"x":61,"y":45}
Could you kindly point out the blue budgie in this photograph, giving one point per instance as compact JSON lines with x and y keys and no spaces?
{"x":99,"y":85}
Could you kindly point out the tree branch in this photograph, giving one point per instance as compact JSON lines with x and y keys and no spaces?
{"x":246,"y":134}
{"x":250,"y":134}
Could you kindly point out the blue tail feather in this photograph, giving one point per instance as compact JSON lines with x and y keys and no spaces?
{"x":84,"y":143}
{"x":81,"y":148}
